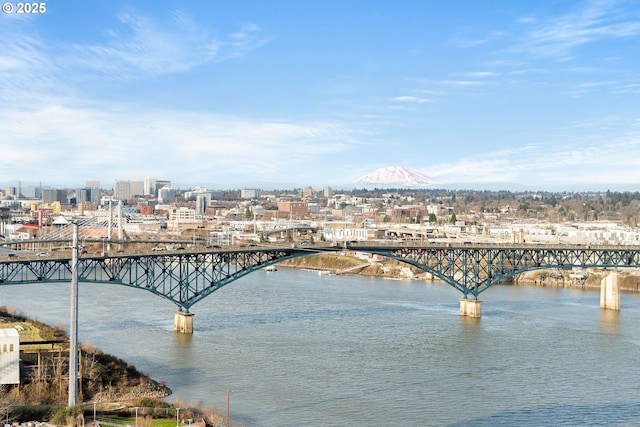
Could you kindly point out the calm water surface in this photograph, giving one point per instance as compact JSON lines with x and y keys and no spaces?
{"x":303,"y":350}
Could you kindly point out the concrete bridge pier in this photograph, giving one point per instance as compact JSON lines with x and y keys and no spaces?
{"x":183,"y":322}
{"x":610,"y":291}
{"x":470,"y":307}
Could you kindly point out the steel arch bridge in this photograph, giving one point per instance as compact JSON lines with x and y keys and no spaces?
{"x":181,"y":277}
{"x":474,"y":268}
{"x":185,"y":278}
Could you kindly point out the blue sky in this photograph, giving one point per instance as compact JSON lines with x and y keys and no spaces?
{"x":231,"y":94}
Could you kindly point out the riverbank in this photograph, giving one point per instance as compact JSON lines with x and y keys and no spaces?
{"x":585,"y":279}
{"x":44,"y":369}
{"x":337,"y":263}
{"x":582,"y":279}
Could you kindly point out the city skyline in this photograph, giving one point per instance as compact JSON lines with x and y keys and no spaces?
{"x":281,"y":94}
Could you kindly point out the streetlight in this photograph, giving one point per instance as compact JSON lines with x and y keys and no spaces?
{"x":136,"y":416}
{"x":177,"y":417}
{"x":94,"y":413}
{"x":229,"y":391}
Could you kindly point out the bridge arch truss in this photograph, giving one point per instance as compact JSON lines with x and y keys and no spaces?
{"x":186,"y":278}
{"x":474,"y":269}
{"x":182,"y":278}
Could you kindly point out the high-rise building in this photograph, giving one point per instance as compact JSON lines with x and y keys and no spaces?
{"x":166,"y":195}
{"x":150,"y":186}
{"x":52,"y":195}
{"x":250,"y":193}
{"x":122,"y":189}
{"x":49,"y":195}
{"x":30,"y":192}
{"x":137,"y":188}
{"x":88,"y":195}
{"x":203,"y":200}
{"x":162,"y":183}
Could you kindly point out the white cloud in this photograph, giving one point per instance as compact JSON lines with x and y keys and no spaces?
{"x":598,"y":20}
{"x":481,"y":74}
{"x":410,"y":99}
{"x":463,"y":83}
{"x":144,"y":46}
{"x":593,"y":160}
{"x":126,"y":143}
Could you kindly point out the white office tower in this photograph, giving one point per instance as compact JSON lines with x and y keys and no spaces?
{"x":122,"y":189}
{"x":166,"y":195}
{"x":137,"y":188}
{"x":250,"y":193}
{"x":150,"y":186}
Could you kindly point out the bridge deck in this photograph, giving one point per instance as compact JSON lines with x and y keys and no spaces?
{"x":187,"y":276}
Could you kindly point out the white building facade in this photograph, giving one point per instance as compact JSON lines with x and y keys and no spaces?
{"x":9,"y":356}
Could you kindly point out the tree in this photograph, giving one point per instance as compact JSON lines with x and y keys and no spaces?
{"x":432,"y":218}
{"x":453,"y":218}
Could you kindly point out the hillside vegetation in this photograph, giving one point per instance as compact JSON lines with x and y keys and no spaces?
{"x":44,"y":353}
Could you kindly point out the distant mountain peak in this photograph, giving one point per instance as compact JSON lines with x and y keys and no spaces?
{"x":399,"y":175}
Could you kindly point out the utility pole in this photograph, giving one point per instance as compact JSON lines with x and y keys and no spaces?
{"x":120,"y":222}
{"x":73,"y":335}
{"x":110,"y":226}
{"x":229,"y":391}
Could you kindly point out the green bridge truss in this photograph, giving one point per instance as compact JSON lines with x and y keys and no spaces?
{"x":473,"y":269}
{"x":185,"y":278}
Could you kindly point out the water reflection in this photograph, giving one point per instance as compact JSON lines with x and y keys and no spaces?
{"x":610,"y":321}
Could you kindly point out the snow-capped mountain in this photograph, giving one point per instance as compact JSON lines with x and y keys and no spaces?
{"x":398,"y":175}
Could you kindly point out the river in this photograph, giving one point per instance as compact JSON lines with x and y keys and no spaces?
{"x":299,"y":349}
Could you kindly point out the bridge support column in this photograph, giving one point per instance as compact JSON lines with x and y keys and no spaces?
{"x":470,"y":307}
{"x":183,"y":322}
{"x":610,"y":291}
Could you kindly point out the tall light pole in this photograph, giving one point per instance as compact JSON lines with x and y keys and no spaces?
{"x":229,"y":391}
{"x":110,"y":225}
{"x":73,"y":335}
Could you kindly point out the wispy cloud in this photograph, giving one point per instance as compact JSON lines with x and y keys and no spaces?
{"x":50,"y":128}
{"x":142,"y":46}
{"x":27,"y":72}
{"x":597,"y":20}
{"x":474,"y":42}
{"x":481,"y":74}
{"x":410,"y":99}
{"x":199,"y":145}
{"x":583,"y":160}
{"x":463,"y":83}
{"x":33,"y":67}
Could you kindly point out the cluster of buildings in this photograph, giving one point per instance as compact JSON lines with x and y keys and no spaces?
{"x":152,"y":208}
